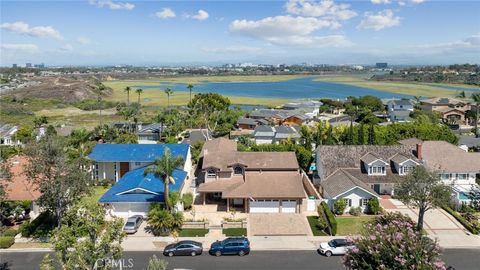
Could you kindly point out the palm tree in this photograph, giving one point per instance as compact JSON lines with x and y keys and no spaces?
{"x":128,"y":89}
{"x":100,"y":90}
{"x":476,"y":99}
{"x":139,"y":91}
{"x":168,"y":91}
{"x":163,"y":169}
{"x":160,"y":221}
{"x":190,"y":87}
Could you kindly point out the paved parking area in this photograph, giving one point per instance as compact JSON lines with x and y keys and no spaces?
{"x":278,"y":224}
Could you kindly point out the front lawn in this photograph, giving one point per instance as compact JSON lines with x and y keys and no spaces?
{"x":193,"y":232}
{"x":235,"y":232}
{"x":313,"y":221}
{"x":97,"y":192}
{"x":351,"y":225}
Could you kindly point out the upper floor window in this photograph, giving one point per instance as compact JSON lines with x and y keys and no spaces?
{"x":237,"y":170}
{"x":376,"y":170}
{"x":406,"y":169}
{"x":462,"y":176}
{"x":445,"y":176}
{"x":211,"y":173}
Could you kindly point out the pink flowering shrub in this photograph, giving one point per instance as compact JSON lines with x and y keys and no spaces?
{"x":391,"y":242}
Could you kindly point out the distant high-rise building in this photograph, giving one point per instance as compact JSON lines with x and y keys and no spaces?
{"x":28,"y":65}
{"x":14,"y":65}
{"x":381,"y":65}
{"x":42,"y":65}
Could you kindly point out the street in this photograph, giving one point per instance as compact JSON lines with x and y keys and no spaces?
{"x":460,"y":259}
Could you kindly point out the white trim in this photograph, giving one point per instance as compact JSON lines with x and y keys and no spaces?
{"x":137,"y":188}
{"x":334,"y":198}
{"x":377,"y":160}
{"x":401,"y":163}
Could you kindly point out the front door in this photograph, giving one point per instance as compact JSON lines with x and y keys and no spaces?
{"x":124,"y":168}
{"x":376,"y":188}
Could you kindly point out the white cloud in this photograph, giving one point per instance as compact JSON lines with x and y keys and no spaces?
{"x":112,"y":5}
{"x":323,"y":8}
{"x":471,"y":42}
{"x":36,"y":31}
{"x":201,"y":15}
{"x":165,"y":13}
{"x":66,"y":48}
{"x":381,"y":20}
{"x":83,"y":40}
{"x":20,"y":48}
{"x":233,"y":49}
{"x":417,"y":1}
{"x":377,"y":2}
{"x":289,"y":31}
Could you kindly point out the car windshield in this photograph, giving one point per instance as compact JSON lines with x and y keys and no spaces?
{"x":130,"y":224}
{"x":332,"y":243}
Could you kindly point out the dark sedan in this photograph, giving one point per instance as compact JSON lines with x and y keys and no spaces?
{"x":183,"y":248}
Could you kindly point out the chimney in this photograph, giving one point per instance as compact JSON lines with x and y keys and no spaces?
{"x":419,"y":151}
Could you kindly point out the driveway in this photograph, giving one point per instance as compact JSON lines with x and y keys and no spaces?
{"x":278,"y":224}
{"x":438,"y":224}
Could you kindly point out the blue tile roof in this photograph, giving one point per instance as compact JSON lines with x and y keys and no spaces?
{"x":135,"y":180}
{"x":135,"y":152}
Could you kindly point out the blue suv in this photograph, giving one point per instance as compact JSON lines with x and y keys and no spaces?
{"x":233,"y":245}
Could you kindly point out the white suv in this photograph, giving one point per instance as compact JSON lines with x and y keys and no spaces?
{"x":335,"y":247}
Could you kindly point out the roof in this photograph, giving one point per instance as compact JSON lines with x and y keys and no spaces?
{"x":19,"y":188}
{"x":150,"y":188}
{"x":333,"y":157}
{"x":219,"y":145}
{"x":443,"y":101}
{"x":369,"y":158}
{"x":197,"y":135}
{"x":446,"y":157}
{"x":401,"y":102}
{"x":135,"y":152}
{"x":259,"y":185}
{"x":410,"y":141}
{"x":152,"y":128}
{"x":400,"y":158}
{"x":341,"y":181}
{"x":7,"y":130}
{"x":246,"y":121}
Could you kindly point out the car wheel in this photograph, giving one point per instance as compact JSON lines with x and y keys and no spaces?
{"x":328,"y":253}
{"x":193,"y":254}
{"x":170,"y":254}
{"x":218,"y":253}
{"x":241,"y":253}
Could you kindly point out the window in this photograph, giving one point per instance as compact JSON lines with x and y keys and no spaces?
{"x":406,"y":169}
{"x":211,"y":173}
{"x":349,"y":202}
{"x":138,"y":163}
{"x":445,"y":176}
{"x":364,"y":202}
{"x":376,"y":170}
{"x":237,"y":170}
{"x":462,"y":176}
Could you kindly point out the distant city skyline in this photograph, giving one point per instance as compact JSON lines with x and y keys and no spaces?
{"x":107,"y":32}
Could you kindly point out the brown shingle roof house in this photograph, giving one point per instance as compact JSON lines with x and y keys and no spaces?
{"x":19,"y":188}
{"x":260,"y":182}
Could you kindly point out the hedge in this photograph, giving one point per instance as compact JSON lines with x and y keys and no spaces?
{"x":6,"y":241}
{"x":332,"y":222}
{"x":462,"y":220}
{"x":10,"y":232}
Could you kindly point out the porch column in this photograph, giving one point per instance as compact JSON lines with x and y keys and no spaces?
{"x":104,"y":171}
{"x":228,"y":204}
{"x":117,"y":172}
{"x":203,"y":198}
{"x":298,"y":206}
{"x":245,"y":205}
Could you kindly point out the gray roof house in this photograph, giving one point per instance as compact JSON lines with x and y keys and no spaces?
{"x":7,"y":134}
{"x":399,"y":110}
{"x":273,"y":135}
{"x":150,"y":134}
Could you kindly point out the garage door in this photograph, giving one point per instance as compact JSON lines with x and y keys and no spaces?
{"x":289,"y":206}
{"x":130,"y":209}
{"x":264,"y":206}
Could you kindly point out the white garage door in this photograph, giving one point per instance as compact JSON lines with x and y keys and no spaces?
{"x":289,"y":206}
{"x":264,"y":206}
{"x":130,"y":209}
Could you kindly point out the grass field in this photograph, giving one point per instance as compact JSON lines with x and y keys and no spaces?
{"x":96,"y":194}
{"x":351,"y":225}
{"x":406,"y":88}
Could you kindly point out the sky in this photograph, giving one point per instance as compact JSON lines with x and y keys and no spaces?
{"x":127,"y":32}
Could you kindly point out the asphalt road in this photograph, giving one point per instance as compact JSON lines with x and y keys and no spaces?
{"x":460,"y":259}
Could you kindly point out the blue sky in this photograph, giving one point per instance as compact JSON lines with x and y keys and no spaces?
{"x":103,"y":32}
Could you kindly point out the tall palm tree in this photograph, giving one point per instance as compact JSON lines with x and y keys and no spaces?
{"x":476,"y":99}
{"x":128,"y":89}
{"x":139,"y":91}
{"x":100,"y":89}
{"x":163,"y":168}
{"x":190,"y":87}
{"x":168,"y":91}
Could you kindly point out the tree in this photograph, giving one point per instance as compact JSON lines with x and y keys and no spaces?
{"x":163,"y":169}
{"x":5,"y":178}
{"x":461,"y":94}
{"x":25,"y":134}
{"x":39,"y":121}
{"x":339,"y":206}
{"x":128,"y":89}
{"x":390,"y":242}
{"x":87,"y":240}
{"x":47,"y":263}
{"x":168,"y":92}
{"x":373,"y":206}
{"x":160,"y":221}
{"x":58,"y":179}
{"x":209,"y":108}
{"x":139,"y":91}
{"x":157,"y":264}
{"x":476,"y":99}
{"x":100,"y":92}
{"x":190,"y":87}
{"x":423,"y":190}
{"x":351,"y":111}
{"x":306,"y":136}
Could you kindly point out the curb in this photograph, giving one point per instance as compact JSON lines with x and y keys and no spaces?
{"x":13,"y":250}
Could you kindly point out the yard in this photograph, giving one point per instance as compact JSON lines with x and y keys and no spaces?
{"x":351,"y":225}
{"x":313,"y":221}
{"x":97,"y":192}
{"x":235,"y":232}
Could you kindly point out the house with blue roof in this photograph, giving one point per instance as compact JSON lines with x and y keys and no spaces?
{"x":124,"y":164}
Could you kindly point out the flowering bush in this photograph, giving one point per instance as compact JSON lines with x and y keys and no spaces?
{"x":391,"y":242}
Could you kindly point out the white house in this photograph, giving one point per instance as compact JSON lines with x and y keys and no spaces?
{"x":399,"y":110}
{"x":7,"y":135}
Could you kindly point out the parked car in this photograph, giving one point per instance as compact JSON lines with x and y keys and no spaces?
{"x":335,"y":247}
{"x":132,"y":224}
{"x":183,"y":248}
{"x":231,"y":246}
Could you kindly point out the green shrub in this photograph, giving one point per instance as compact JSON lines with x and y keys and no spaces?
{"x":472,"y":228}
{"x":173,"y":198}
{"x":10,"y":232}
{"x":6,"y":241}
{"x":373,"y":206}
{"x":355,"y":211}
{"x":187,"y":200}
{"x":332,"y":222}
{"x":340,"y":206}
{"x":235,"y":232}
{"x":39,"y":227}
